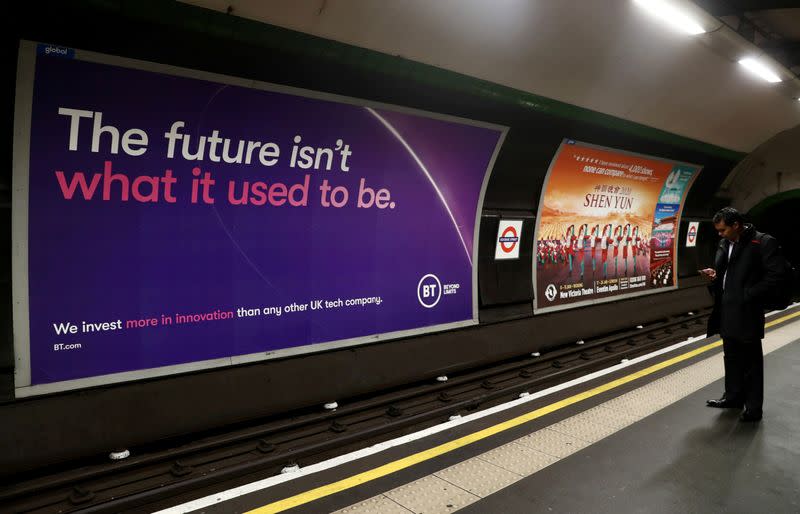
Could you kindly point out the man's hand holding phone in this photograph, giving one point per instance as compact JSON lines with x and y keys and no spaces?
{"x":709,"y":273}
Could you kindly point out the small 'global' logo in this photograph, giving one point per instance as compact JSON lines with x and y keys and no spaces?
{"x":429,"y":291}
{"x":55,"y":51}
{"x":551,"y":292}
{"x":509,"y":239}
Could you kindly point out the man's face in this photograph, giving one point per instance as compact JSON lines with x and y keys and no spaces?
{"x":729,"y":232}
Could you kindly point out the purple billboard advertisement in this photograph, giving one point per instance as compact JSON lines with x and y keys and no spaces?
{"x":168,"y":220}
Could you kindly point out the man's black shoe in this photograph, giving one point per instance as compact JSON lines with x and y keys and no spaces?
{"x":750,"y":416}
{"x":724,"y":403}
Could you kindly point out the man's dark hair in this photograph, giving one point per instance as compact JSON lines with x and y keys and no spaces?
{"x":729,"y":215}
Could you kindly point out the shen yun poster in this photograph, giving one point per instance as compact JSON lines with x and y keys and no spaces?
{"x":607,"y":225}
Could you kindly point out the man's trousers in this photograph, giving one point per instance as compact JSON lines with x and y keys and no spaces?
{"x":744,"y":372}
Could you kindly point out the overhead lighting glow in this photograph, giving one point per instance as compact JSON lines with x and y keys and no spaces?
{"x":672,"y":15}
{"x":759,"y":69}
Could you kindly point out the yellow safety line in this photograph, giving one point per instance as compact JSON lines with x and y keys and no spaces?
{"x":392,"y":467}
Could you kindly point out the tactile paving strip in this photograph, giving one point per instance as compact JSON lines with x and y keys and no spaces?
{"x":478,"y":477}
{"x":553,"y":443}
{"x":518,"y":458}
{"x":431,"y":495}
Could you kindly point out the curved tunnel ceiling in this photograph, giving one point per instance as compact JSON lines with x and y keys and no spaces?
{"x":771,"y":169}
{"x":609,"y":56}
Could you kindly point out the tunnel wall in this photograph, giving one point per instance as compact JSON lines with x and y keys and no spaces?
{"x":90,"y":422}
{"x":770,"y":170}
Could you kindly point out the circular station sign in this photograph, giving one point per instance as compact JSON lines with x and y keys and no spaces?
{"x":691,"y":234}
{"x":508,"y":235}
{"x":508,"y":239}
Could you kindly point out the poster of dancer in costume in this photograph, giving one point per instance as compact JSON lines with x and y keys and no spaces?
{"x":607,"y":226}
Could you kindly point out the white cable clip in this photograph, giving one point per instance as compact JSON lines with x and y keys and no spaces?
{"x":119,"y":454}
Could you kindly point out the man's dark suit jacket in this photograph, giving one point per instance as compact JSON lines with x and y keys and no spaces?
{"x":753,"y":271}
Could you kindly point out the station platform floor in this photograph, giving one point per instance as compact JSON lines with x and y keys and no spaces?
{"x":636,"y":439}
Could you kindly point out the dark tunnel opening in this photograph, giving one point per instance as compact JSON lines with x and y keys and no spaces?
{"x":776,"y":215}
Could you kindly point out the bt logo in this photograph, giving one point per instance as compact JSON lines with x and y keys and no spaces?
{"x":429,"y":291}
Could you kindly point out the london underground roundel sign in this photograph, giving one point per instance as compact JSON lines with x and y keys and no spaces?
{"x":508,"y":236}
{"x":691,"y":234}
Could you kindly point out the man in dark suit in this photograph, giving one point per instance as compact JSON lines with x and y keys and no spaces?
{"x":746,"y":267}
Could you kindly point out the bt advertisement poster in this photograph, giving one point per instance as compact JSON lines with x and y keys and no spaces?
{"x":607,"y":226}
{"x":169,"y":220}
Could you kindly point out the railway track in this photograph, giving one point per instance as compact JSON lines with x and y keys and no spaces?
{"x":154,"y":474}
